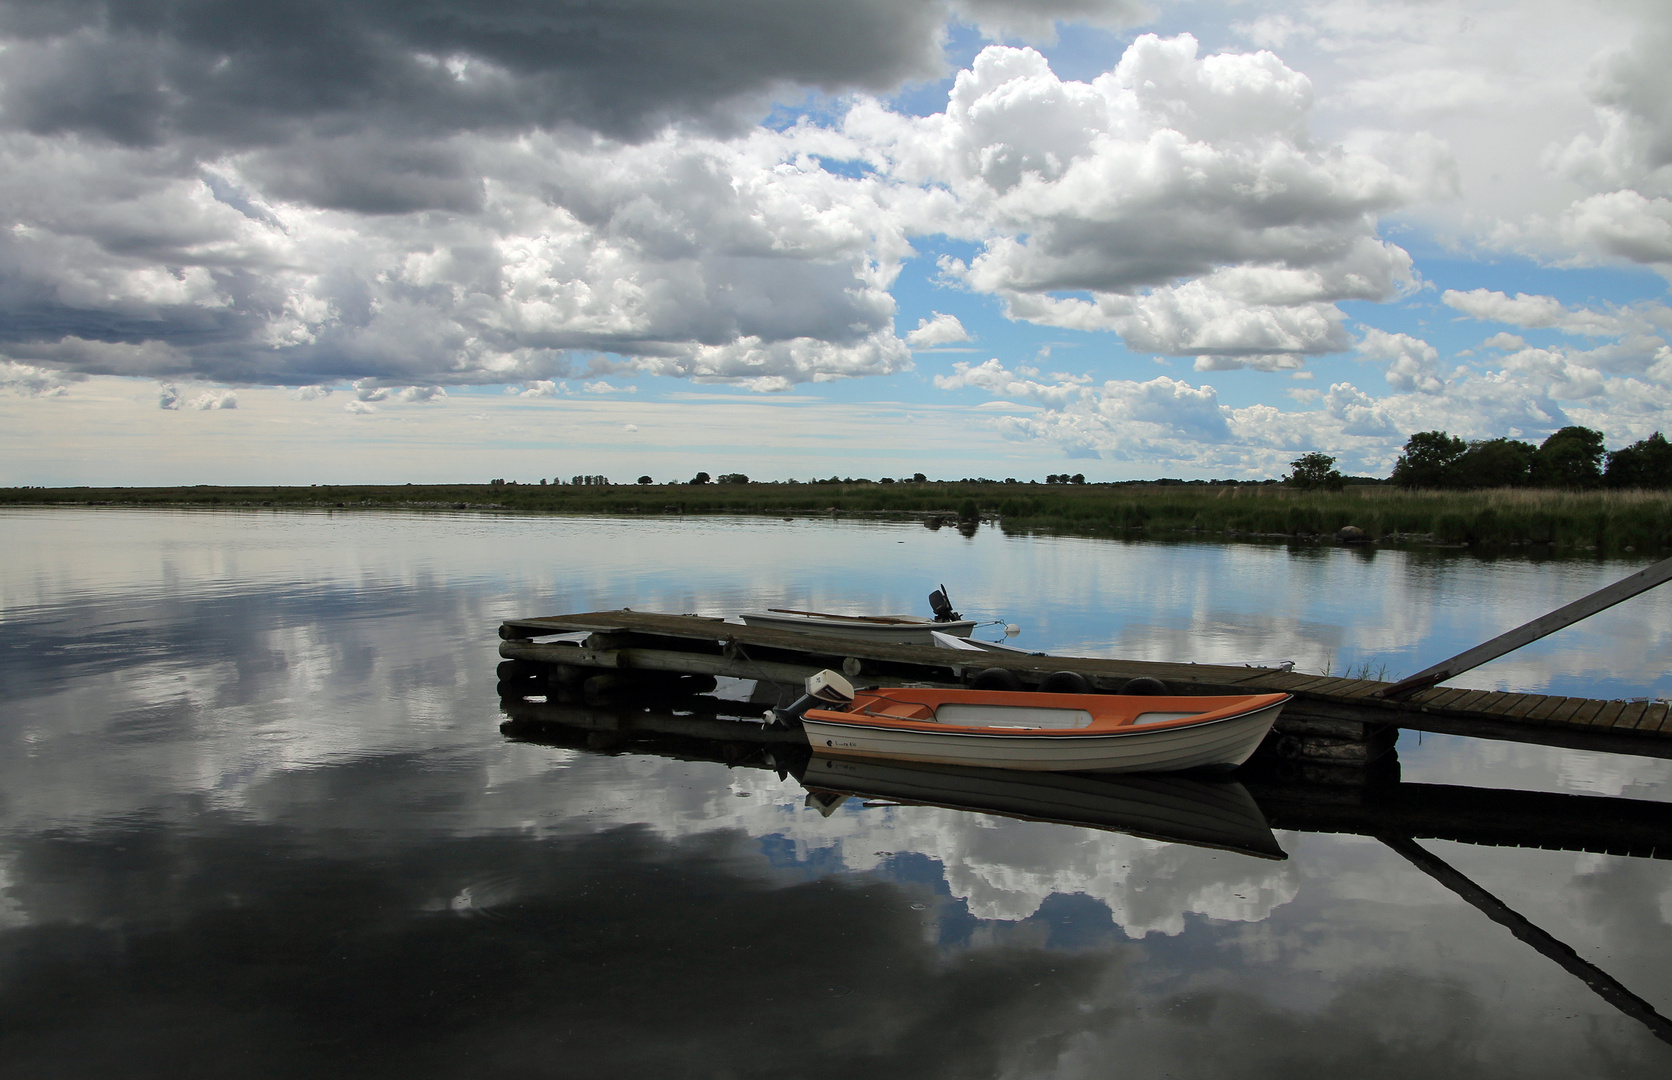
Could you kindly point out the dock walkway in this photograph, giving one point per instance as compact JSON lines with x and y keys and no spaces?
{"x":625,"y":640}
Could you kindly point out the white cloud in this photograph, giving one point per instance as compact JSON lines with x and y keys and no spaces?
{"x":30,"y":380}
{"x":1181,"y":192}
{"x":941,"y":330}
{"x":545,"y":388}
{"x":602,"y":387}
{"x":1412,"y":364}
{"x":422,"y":394}
{"x":359,"y":408}
{"x":1622,"y":224}
{"x":211,"y":399}
{"x":994,"y":378}
{"x":315,"y":392}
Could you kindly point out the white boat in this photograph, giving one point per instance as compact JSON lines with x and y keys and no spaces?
{"x":1044,"y":732}
{"x":898,"y":629}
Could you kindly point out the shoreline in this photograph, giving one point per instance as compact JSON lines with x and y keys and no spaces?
{"x":1515,"y":521}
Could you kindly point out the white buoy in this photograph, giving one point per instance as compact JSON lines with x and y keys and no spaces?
{"x":1011,"y":629}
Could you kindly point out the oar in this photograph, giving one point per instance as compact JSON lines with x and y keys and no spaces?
{"x":851,"y":618}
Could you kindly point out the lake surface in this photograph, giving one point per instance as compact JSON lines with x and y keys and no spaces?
{"x":257,"y":816}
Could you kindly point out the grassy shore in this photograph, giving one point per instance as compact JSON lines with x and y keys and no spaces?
{"x":1603,"y":521}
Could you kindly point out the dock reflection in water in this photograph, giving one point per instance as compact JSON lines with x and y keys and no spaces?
{"x":1215,"y":813}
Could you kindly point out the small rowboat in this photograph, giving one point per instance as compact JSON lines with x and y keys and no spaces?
{"x":894,"y":629}
{"x":1045,"y":732}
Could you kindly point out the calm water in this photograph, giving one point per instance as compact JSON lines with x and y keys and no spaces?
{"x":257,"y":816}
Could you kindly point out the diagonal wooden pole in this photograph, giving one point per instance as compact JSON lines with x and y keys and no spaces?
{"x":1583,"y":608}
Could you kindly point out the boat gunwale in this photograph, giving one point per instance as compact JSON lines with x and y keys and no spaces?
{"x":1094,"y":732}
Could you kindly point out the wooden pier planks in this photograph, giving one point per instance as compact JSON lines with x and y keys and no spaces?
{"x":698,"y":644}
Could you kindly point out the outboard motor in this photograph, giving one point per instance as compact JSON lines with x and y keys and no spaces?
{"x":825,"y":688}
{"x":941,"y":606}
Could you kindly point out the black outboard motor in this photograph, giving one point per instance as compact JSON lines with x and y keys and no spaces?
{"x":942,"y":607}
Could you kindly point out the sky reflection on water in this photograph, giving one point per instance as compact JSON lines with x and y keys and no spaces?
{"x":254,"y":803}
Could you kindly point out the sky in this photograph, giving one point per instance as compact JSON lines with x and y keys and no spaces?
{"x":390,"y":241}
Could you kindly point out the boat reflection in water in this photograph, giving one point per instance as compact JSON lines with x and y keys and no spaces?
{"x":1177,"y":809}
{"x":1203,"y":811}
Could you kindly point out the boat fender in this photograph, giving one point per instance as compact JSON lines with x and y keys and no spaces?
{"x":995,"y":678}
{"x":1146,"y":686}
{"x":1064,"y":682}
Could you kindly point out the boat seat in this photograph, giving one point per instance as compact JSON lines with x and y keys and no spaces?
{"x":900,"y":710}
{"x":1011,"y":716}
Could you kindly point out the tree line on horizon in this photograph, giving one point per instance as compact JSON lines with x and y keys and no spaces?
{"x":1573,"y":458}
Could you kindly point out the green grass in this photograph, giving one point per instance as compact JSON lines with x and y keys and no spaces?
{"x":1604,"y":521}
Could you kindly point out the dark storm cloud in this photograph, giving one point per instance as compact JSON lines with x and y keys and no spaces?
{"x":142,"y":72}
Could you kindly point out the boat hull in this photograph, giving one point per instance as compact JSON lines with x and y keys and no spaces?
{"x":904,"y":630}
{"x":1223,"y":742}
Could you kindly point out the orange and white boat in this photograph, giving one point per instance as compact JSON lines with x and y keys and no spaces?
{"x":1035,"y":731}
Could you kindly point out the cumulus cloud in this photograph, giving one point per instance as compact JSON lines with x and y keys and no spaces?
{"x":359,"y":408}
{"x":212,"y":399}
{"x":29,"y":380}
{"x":941,"y":330}
{"x":1412,"y":364}
{"x":1182,"y":193}
{"x":444,"y":200}
{"x":994,"y":378}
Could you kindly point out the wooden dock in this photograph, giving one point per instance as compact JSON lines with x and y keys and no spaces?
{"x":1330,"y":718}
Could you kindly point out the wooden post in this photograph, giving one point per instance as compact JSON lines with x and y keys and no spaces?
{"x":1583,"y":608}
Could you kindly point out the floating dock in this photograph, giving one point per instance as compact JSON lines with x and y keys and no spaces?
{"x":1329,"y":720}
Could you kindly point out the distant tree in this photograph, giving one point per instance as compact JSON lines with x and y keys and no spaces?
{"x":1646,"y":463}
{"x":886,"y":480}
{"x":1077,"y":478}
{"x":644,"y":480}
{"x":1314,"y":470}
{"x":701,"y":478}
{"x":919,"y":478}
{"x":1428,"y":460}
{"x":732,"y":478}
{"x":1492,"y":463}
{"x":1571,"y":458}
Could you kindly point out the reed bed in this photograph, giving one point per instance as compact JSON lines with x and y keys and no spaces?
{"x":1605,"y":521}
